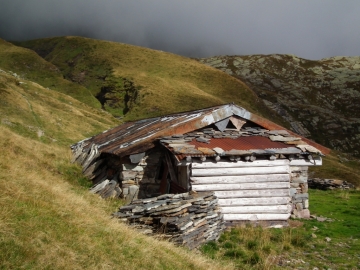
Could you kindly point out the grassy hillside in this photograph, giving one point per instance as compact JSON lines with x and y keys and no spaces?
{"x":48,"y":219}
{"x":140,"y":82}
{"x":27,"y":64}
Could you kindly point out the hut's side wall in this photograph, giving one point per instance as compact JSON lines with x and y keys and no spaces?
{"x":299,"y":191}
{"x":247,"y":191}
{"x":141,"y":180}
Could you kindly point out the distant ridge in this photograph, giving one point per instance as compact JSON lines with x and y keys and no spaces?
{"x":320,"y":99}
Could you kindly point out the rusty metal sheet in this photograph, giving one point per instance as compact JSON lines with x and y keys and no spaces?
{"x":139,"y":136}
{"x":272,"y":126}
{"x":241,"y":143}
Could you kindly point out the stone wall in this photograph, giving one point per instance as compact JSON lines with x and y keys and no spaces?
{"x":299,"y":191}
{"x":128,"y":180}
{"x":142,"y":180}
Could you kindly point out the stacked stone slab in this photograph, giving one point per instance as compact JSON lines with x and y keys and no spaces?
{"x":186,"y":219}
{"x":326,"y":184}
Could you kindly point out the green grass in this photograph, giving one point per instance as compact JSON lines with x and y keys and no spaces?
{"x":166,"y":83}
{"x":335,"y":168}
{"x":28,"y":65}
{"x":296,"y":246}
{"x":48,"y":218}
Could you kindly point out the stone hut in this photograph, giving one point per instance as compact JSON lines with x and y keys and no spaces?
{"x":257,"y":169}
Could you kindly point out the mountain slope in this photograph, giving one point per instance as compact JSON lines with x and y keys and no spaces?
{"x":320,"y":99}
{"x":137,"y":82}
{"x":26,"y":64}
{"x":48,"y":219}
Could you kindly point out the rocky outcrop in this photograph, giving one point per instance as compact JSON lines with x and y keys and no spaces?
{"x":320,"y":99}
{"x":326,"y":184}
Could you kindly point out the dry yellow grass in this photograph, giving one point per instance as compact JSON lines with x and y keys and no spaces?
{"x":167,"y":82}
{"x":47,"y":219}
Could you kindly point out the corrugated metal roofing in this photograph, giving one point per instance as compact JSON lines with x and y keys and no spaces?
{"x":139,"y":136}
{"x":241,"y":143}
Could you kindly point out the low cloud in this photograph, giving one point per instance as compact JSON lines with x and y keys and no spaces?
{"x":200,"y":28}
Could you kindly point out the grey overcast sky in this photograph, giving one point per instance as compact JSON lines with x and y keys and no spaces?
{"x":311,"y":29}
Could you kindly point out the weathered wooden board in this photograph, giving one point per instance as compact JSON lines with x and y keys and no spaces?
{"x":256,"y":163}
{"x":317,"y":161}
{"x":254,"y":201}
{"x":183,"y":176}
{"x":248,"y":186}
{"x":254,"y":217}
{"x":241,"y":179}
{"x":298,"y":168}
{"x":262,"y":209}
{"x":240,"y":171}
{"x":252,"y":193}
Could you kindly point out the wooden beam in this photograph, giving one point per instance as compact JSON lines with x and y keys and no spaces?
{"x":256,"y":163}
{"x":170,"y":167}
{"x":252,"y":209}
{"x":252,"y":193}
{"x":164,"y":182}
{"x":248,"y":186}
{"x":183,"y":176}
{"x":254,"y":201}
{"x":317,"y":161}
{"x":255,"y":217}
{"x":240,"y":171}
{"x":241,"y":179}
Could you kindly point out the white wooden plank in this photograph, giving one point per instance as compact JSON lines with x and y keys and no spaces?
{"x":263,"y":209}
{"x":252,"y":193}
{"x":317,"y":161}
{"x":240,"y":171}
{"x":298,"y":168}
{"x":254,"y":201}
{"x":256,"y":163}
{"x":248,"y":186}
{"x":241,"y":179}
{"x":254,"y":217}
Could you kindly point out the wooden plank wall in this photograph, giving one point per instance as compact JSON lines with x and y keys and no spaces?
{"x":247,"y":191}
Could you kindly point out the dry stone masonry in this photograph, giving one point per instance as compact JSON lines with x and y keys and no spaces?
{"x":127,"y":180}
{"x":299,"y":191}
{"x":186,"y":219}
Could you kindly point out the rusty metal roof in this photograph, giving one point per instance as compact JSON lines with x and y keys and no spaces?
{"x":139,"y":136}
{"x":241,"y":143}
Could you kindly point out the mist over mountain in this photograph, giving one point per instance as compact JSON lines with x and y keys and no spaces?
{"x":308,"y":29}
